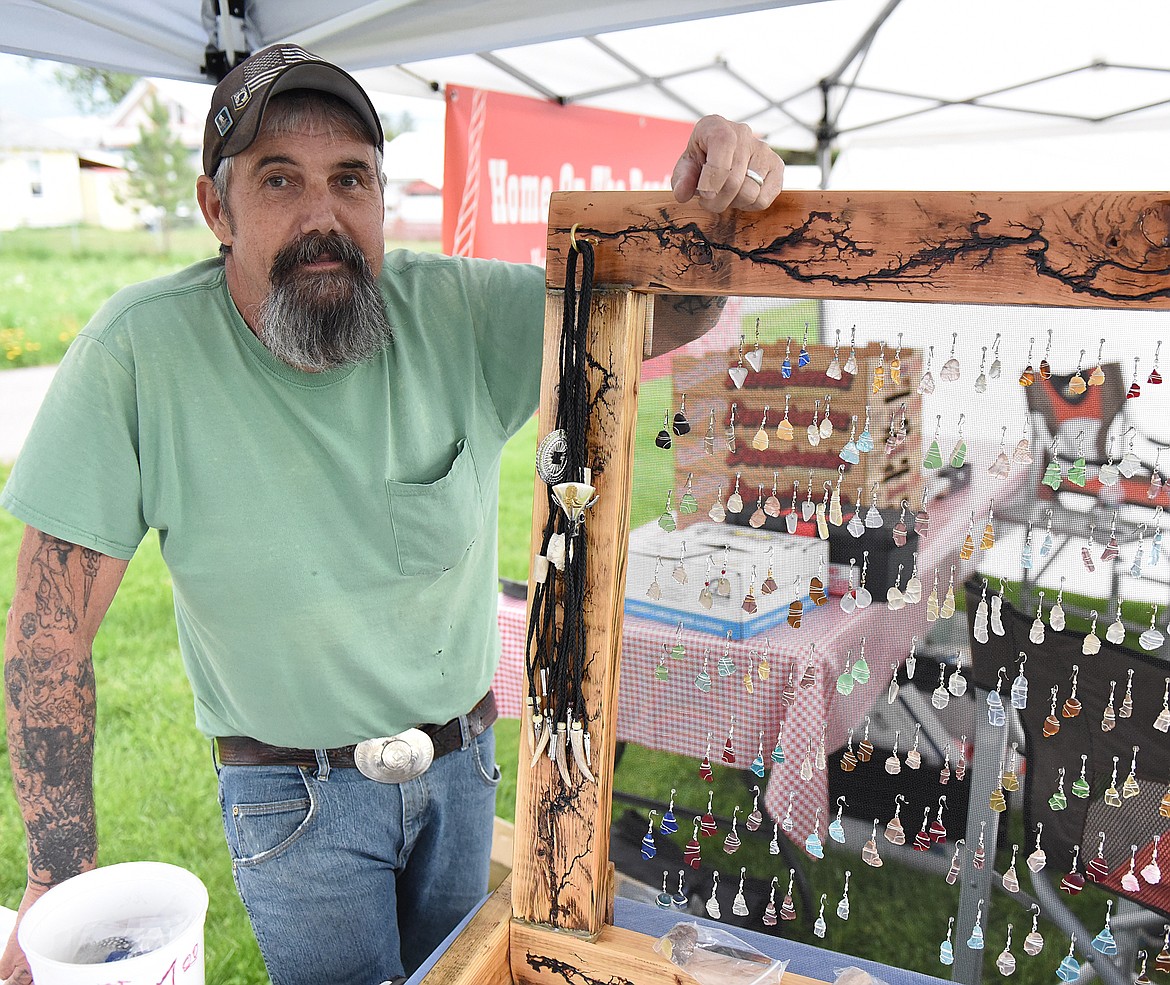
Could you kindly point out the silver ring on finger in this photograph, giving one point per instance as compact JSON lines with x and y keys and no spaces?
{"x":754,"y":176}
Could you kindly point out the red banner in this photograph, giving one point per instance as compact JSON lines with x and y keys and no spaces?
{"x":506,"y":155}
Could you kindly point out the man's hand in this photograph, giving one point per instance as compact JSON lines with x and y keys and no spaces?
{"x":727,"y":167}
{"x":13,"y":965}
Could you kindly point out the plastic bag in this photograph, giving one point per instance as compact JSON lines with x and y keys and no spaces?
{"x":715,"y":957}
{"x":855,"y":976}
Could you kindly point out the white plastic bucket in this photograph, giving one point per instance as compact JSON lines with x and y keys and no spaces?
{"x":134,"y":923}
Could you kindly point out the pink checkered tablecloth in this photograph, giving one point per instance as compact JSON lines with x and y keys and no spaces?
{"x":675,"y":716}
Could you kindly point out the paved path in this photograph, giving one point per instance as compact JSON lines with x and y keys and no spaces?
{"x":21,"y":392}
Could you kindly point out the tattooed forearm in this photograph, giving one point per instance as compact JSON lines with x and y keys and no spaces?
{"x":51,"y":699}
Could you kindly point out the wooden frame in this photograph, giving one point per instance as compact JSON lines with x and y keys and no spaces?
{"x":1096,"y":250}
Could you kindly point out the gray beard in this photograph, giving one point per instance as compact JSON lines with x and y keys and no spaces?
{"x":323,"y":321}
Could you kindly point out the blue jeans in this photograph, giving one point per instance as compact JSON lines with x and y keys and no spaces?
{"x":354,"y":882}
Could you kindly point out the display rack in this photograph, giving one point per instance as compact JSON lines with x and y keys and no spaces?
{"x":1082,"y":250}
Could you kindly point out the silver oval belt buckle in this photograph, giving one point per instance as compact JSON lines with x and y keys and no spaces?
{"x":396,"y":758}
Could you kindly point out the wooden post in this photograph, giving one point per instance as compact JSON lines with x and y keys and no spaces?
{"x":561,"y":876}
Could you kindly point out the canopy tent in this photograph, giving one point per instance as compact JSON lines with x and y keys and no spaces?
{"x":823,"y":75}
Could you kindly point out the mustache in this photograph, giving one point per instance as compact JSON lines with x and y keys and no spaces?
{"x":314,"y":247}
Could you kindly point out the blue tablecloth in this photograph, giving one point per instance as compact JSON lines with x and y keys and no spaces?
{"x":803,"y":959}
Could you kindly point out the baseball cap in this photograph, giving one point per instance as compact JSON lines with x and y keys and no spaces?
{"x":237,"y":105}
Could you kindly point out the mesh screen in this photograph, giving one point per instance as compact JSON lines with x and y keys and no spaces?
{"x":713,"y":667}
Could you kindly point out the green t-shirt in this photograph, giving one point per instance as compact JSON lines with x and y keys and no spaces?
{"x":331,"y":536}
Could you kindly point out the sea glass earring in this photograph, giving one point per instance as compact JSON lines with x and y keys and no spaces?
{"x":679,"y":573}
{"x":1077,"y":472}
{"x":784,"y":430}
{"x":739,"y":371}
{"x":879,"y":371}
{"x":758,"y":517}
{"x":1087,"y":550}
{"x":729,"y":434}
{"x":896,"y":364}
{"x":1011,"y":777}
{"x":705,"y":763}
{"x":1109,"y":716}
{"x":703,"y":683}
{"x":895,"y":833}
{"x":865,"y":747}
{"x":941,"y":697}
{"x":914,"y":757}
{"x":833,"y":370}
{"x":996,"y":367}
{"x":933,"y":457}
{"x":922,"y":517}
{"x":926,"y":384}
{"x":755,"y":358}
{"x":1036,"y":633}
{"x":760,"y":440}
{"x":950,"y":369}
{"x":957,"y":684}
{"x":739,"y":906}
{"x":1051,"y":723}
{"x":1097,"y":376}
{"x":856,"y":525}
{"x":947,"y":609}
{"x":1156,"y":482}
{"x":1129,"y":881}
{"x":848,"y":757}
{"x":1156,"y":543}
{"x":997,"y":611}
{"x":827,"y":421}
{"x":850,"y":452}
{"x":894,"y":598}
{"x":1152,"y":638}
{"x":1022,"y":453}
{"x":1092,"y":642}
{"x":1135,"y":388}
{"x":1125,"y":710}
{"x":1151,"y":873}
{"x":956,"y":868}
{"x":893,"y":763}
{"x":709,"y":437}
{"x":1130,"y":787}
{"x":681,"y":425}
{"x":1109,"y":474}
{"x":869,"y":854}
{"x":1073,"y":881}
{"x":663,"y":899}
{"x":713,"y":901}
{"x":1155,"y":378}
{"x":1006,"y":962}
{"x":663,"y":439}
{"x":996,"y":800}
{"x":835,"y":502}
{"x":790,"y":518}
{"x":731,"y":843}
{"x":787,"y":909}
{"x":996,"y":716}
{"x":803,"y":359}
{"x":1080,"y":787}
{"x":769,"y":917}
{"x":1162,"y":963}
{"x":669,"y":823}
{"x":1045,"y":368}
{"x":836,"y":828}
{"x":820,"y":927}
{"x":1142,"y":978}
{"x":1001,"y":465}
{"x":959,"y":452}
{"x":900,"y":531}
{"x":649,"y":849}
{"x":706,"y":594}
{"x":1112,"y":796}
{"x":1072,"y":705}
{"x":843,"y":904}
{"x":813,"y":844}
{"x":1028,"y":376}
{"x":865,"y":439}
{"x":749,"y":606}
{"x":938,"y":832}
{"x":913,"y":595}
{"x":1077,"y":385}
{"x":822,"y":511}
{"x":850,"y":366}
{"x":1162,"y":722}
{"x":979,"y":627}
{"x":1054,"y":471}
{"x":718,"y":512}
{"x":892,"y":690}
{"x":688,"y":504}
{"x":786,"y":365}
{"x":1056,"y":613}
{"x":975,"y":941}
{"x":946,"y":950}
{"x":873,"y":516}
{"x":1098,"y":868}
{"x":735,"y":500}
{"x":932,"y":601}
{"x":981,"y":379}
{"x":1038,"y":859}
{"x":655,"y":590}
{"x":1034,"y":942}
{"x":814,"y":428}
{"x":1011,"y":881}
{"x":1019,"y":693}
{"x":979,"y":856}
{"x":1104,"y":942}
{"x":668,"y":521}
{"x":680,"y":898}
{"x":944,"y":774}
{"x":692,"y":853}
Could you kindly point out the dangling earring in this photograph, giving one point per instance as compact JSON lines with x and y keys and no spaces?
{"x":663,"y":440}
{"x":873,"y":516}
{"x":922,"y":518}
{"x":703,"y":683}
{"x":950,"y":369}
{"x":1152,"y":638}
{"x":850,"y":452}
{"x":669,"y":823}
{"x":996,"y":717}
{"x":848,"y":758}
{"x":1011,"y":881}
{"x":709,"y":438}
{"x":869,"y":854}
{"x":967,"y":551}
{"x":726,"y":667}
{"x":997,"y":612}
{"x":1097,"y":376}
{"x":1006,"y":962}
{"x":1162,"y":722}
{"x":996,"y":366}
{"x":956,"y":864}
{"x":1135,"y":388}
{"x":1034,"y":942}
{"x":1077,"y":472}
{"x":1109,"y":716}
{"x":1087,"y":550}
{"x":713,"y":902}
{"x":692,"y":853}
{"x":1022,"y":453}
{"x":735,"y":500}
{"x":814,"y":429}
{"x":649,"y":849}
{"x":718,"y":513}
{"x":895,"y":599}
{"x":896,"y":364}
{"x":979,"y":629}
{"x":1019,"y":695}
{"x":1112,"y":796}
{"x":926,"y":384}
{"x":1011,"y":778}
{"x":679,"y":573}
{"x":663,"y":899}
{"x":959,"y":452}
{"x":730,"y":432}
{"x":1092,"y":643}
{"x":975,"y":941}
{"x":988,"y":540}
{"x":944,"y":774}
{"x":738,"y":372}
{"x":813,"y":844}
{"x":1080,"y":787}
{"x":833,"y":370}
{"x":784,"y":430}
{"x":1045,"y":368}
{"x":760,"y":441}
{"x":1028,"y":376}
{"x":803,"y":359}
{"x":836,"y":828}
{"x":755,"y":358}
{"x":790,"y":519}
{"x":843,"y":904}
{"x":933,"y":457}
{"x":865,"y":439}
{"x":705,"y":764}
{"x":865,"y":747}
{"x":914,"y":757}
{"x":996,"y":800}
{"x":655,"y":590}
{"x":1104,"y":942}
{"x":947,"y":609}
{"x":1054,"y":471}
{"x":1038,"y":859}
{"x":787,"y":909}
{"x":680,"y":899}
{"x":668,"y":521}
{"x":1001,"y":466}
{"x":758,"y":517}
{"x":826,"y":421}
{"x":778,"y":751}
{"x":981,"y":379}
{"x":913,"y":595}
{"x":893,"y":763}
{"x":820,"y":927}
{"x":786,"y":366}
{"x":1126,"y":709}
{"x":681,"y":424}
{"x":946,"y":951}
{"x":1051,"y":723}
{"x":850,"y":366}
{"x":856,"y":525}
{"x":1130,"y":787}
{"x":1036,"y":633}
{"x":739,"y":907}
{"x":941,"y":697}
{"x":835,"y":503}
{"x":1056,"y":613}
{"x":688,"y":504}
{"x":749,"y":602}
{"x":879,"y":371}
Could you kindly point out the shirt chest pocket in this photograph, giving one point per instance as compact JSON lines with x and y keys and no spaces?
{"x":435,"y":523}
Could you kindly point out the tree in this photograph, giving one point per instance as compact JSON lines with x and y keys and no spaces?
{"x":393,"y":125}
{"x":159,"y":171}
{"x":93,"y":89}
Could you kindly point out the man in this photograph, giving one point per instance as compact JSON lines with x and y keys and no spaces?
{"x":314,"y":429}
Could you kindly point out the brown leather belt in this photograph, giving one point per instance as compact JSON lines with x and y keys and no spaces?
{"x":239,"y":750}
